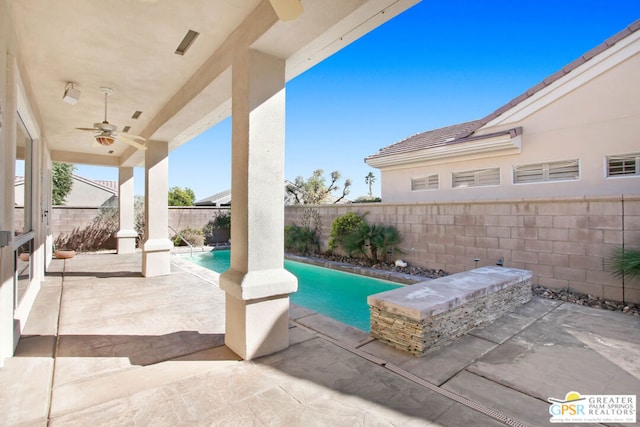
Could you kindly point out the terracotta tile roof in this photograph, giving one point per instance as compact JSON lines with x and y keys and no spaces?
{"x":429,"y":139}
{"x":459,"y":132}
{"x":113,"y":185}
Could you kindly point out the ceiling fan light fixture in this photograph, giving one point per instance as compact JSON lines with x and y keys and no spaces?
{"x":71,"y":94}
{"x":287,"y":10}
{"x":105,"y":140}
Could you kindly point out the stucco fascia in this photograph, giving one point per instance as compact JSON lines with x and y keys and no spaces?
{"x":499,"y":145}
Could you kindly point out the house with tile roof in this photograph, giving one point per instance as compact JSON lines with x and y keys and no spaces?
{"x":84,"y":192}
{"x":574,"y":134}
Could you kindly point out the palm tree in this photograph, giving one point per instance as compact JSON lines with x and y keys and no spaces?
{"x":370,"y":179}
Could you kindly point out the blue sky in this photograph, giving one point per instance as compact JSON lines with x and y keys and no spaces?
{"x":437,"y":64}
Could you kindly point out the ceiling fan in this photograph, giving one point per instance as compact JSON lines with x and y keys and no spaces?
{"x":105,"y":132}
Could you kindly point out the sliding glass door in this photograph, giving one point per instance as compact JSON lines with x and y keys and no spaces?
{"x":24,"y":235}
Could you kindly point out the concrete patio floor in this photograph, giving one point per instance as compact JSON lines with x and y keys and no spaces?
{"x":106,"y":347}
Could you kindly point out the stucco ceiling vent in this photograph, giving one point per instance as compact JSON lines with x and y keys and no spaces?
{"x":186,"y":42}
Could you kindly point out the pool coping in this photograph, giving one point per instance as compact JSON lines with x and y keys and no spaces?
{"x":391,"y":276}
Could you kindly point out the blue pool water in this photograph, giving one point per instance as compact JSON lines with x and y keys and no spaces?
{"x":336,"y":294}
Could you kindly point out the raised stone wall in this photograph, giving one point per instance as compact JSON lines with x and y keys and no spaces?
{"x":565,"y":243}
{"x":423,"y":317}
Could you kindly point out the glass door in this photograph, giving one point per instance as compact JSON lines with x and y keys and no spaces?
{"x":24,"y":235}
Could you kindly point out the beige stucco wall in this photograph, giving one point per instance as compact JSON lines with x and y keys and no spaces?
{"x":594,"y":114}
{"x":85,"y":194}
{"x":564,"y":242}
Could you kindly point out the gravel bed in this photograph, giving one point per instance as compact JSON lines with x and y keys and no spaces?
{"x":539,"y":291}
{"x":586,"y":300}
{"x":386,"y":266}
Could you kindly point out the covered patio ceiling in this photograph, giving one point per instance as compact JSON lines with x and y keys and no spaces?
{"x":129,"y":45}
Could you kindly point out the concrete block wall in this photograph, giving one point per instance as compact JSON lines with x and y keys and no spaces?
{"x":65,"y":218}
{"x":192,"y":216}
{"x":564,"y":242}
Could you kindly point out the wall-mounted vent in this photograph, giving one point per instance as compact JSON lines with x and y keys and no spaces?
{"x":476,"y":178}
{"x":425,"y":183}
{"x":136,"y":114}
{"x":186,"y":42}
{"x":126,"y":129}
{"x":623,"y":165}
{"x":543,"y":172}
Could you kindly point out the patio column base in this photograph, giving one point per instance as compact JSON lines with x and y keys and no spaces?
{"x":126,"y":241}
{"x":257,"y":311}
{"x":156,"y":257}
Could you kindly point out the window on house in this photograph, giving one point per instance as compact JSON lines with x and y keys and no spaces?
{"x":565,"y":170}
{"x":476,"y":178}
{"x":425,"y":183}
{"x":623,"y":165}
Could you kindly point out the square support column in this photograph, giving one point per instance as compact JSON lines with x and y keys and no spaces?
{"x":9,"y":330}
{"x":257,"y":285}
{"x":156,"y":251}
{"x":126,"y":235}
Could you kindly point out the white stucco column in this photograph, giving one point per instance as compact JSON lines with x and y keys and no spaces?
{"x":257,"y":286}
{"x":156,"y":251}
{"x":126,"y":235}
{"x":8,"y":119}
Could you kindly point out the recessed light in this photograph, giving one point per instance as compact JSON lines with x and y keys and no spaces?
{"x":186,"y":42}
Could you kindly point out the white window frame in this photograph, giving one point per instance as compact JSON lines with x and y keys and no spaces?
{"x":475,"y":178}
{"x":634,"y":157}
{"x":428,"y":180}
{"x":545,"y":171}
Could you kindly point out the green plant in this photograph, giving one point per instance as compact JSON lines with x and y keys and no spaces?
{"x":218,"y":227}
{"x":192,"y":235}
{"x":373,"y":241}
{"x":61,"y":182}
{"x":625,"y":262}
{"x":181,"y":197}
{"x":314,"y":189}
{"x":301,"y":240}
{"x":342,"y":226}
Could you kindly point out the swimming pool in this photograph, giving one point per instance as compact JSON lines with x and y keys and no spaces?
{"x":336,"y":294}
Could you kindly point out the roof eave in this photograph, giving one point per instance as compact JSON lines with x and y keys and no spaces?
{"x":507,"y":142}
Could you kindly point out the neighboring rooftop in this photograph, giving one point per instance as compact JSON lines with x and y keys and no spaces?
{"x":222,"y":198}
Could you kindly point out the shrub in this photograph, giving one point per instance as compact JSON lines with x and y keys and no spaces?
{"x":625,"y":262}
{"x":95,"y":236}
{"x":301,"y":240}
{"x":342,"y":226}
{"x":192,"y":235}
{"x":373,"y":241}
{"x":217,"y":229}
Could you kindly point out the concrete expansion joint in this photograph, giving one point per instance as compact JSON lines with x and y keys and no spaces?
{"x":419,"y":381}
{"x":56,"y":344}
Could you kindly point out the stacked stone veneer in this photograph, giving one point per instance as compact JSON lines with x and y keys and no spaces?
{"x":425,"y":316}
{"x":565,"y":243}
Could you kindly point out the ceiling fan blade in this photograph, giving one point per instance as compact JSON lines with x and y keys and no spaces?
{"x":131,"y":142}
{"x":132,"y":136}
{"x":89,"y":129}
